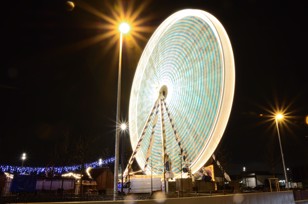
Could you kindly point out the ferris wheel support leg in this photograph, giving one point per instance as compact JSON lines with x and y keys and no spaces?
{"x":227,"y":177}
{"x":177,"y":137}
{"x":163,"y":139}
{"x":151,"y":143}
{"x":131,"y":159}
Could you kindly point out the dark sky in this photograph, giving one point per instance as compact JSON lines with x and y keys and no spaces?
{"x":55,"y":93}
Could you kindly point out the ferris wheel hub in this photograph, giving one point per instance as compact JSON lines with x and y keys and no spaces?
{"x":163,"y":92}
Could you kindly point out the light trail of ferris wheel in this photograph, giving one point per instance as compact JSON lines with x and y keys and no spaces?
{"x":189,"y":58}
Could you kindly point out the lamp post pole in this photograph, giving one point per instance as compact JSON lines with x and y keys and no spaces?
{"x":123,"y":130}
{"x":124,"y":28}
{"x":23,"y":158}
{"x":117,"y":139}
{"x":122,"y":163}
{"x":278,"y":117}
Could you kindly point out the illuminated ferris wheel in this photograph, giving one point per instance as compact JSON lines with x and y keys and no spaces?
{"x":182,"y":94}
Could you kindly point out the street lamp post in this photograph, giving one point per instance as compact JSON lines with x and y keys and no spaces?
{"x":279,"y":117}
{"x":100,"y":162}
{"x":123,"y":129}
{"x":23,"y":158}
{"x":123,"y":28}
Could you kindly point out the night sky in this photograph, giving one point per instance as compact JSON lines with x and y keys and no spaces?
{"x":58,"y":92}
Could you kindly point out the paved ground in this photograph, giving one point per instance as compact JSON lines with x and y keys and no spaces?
{"x":25,"y":198}
{"x":40,"y":197}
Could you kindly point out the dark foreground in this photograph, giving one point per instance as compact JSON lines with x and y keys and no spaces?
{"x":240,"y":198}
{"x":300,"y":196}
{"x":26,"y":198}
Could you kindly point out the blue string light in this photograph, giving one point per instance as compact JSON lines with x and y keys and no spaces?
{"x":56,"y":170}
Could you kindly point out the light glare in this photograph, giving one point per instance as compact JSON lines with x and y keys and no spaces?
{"x":24,"y":156}
{"x":279,"y":116}
{"x":71,"y":174}
{"x":70,"y":5}
{"x":100,"y":161}
{"x":88,"y":172}
{"x":124,"y":28}
{"x":123,"y":126}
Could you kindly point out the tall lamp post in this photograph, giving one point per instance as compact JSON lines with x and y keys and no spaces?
{"x":123,"y":28}
{"x":23,"y":158}
{"x":279,"y":117}
{"x":123,"y":127}
{"x":100,"y":162}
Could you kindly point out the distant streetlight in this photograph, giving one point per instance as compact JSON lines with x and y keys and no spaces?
{"x":244,"y":177}
{"x":100,"y":162}
{"x":124,"y":28}
{"x":279,"y":117}
{"x":123,"y":127}
{"x":23,"y":158}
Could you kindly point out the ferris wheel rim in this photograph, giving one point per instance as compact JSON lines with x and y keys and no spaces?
{"x":228,"y":85}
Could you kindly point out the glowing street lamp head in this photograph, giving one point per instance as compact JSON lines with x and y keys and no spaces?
{"x":123,"y":126}
{"x":23,"y":156}
{"x":100,"y":161}
{"x":279,"y":116}
{"x":124,"y":27}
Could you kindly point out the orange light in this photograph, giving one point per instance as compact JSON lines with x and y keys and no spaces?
{"x":279,"y":116}
{"x":70,"y":5}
